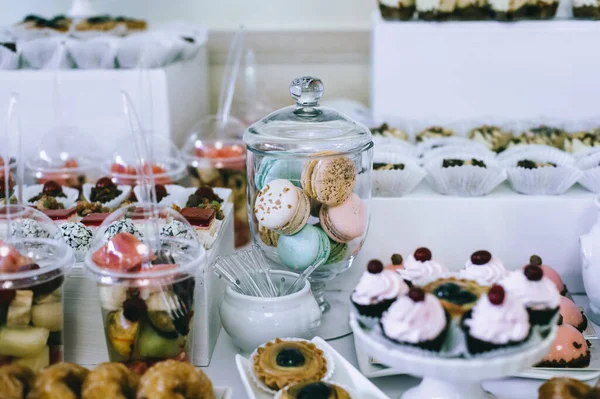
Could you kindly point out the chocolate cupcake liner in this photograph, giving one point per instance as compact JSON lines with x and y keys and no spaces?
{"x":97,"y":53}
{"x":590,"y":168}
{"x":72,"y":195}
{"x":369,"y":313}
{"x":476,"y":346}
{"x":263,"y":387}
{"x":350,"y":391}
{"x":465,"y":181}
{"x":543,"y":317}
{"x":45,"y":53}
{"x":396,"y":183}
{"x":112,"y":204}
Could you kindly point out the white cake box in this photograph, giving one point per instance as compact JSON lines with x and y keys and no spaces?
{"x":169,"y":100}
{"x":456,"y":70}
{"x":85,"y":341}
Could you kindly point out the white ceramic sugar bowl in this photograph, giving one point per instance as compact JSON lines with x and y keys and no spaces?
{"x":252,"y":321}
{"x":590,"y":258}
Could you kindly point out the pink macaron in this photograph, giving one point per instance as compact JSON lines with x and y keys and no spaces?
{"x":346,"y":221}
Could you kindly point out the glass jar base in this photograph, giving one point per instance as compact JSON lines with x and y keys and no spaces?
{"x":335,"y":308}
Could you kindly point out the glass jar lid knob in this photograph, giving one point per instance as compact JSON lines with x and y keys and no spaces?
{"x":307,"y":90}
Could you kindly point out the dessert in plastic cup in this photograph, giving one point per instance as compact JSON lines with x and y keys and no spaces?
{"x":146,"y":288}
{"x":32,"y":274}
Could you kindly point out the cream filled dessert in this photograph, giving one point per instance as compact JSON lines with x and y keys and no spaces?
{"x":508,"y":10}
{"x":393,"y":10}
{"x":571,"y":314}
{"x":387,"y":131}
{"x":484,"y":268}
{"x":498,"y":319}
{"x":432,"y":10}
{"x":420,"y":265}
{"x":536,"y":292}
{"x":542,"y":9}
{"x":471,"y":10}
{"x":435,"y":132}
{"x":584,"y":140}
{"x":490,"y":136}
{"x":377,"y":289}
{"x":417,"y":319}
{"x":569,"y":349}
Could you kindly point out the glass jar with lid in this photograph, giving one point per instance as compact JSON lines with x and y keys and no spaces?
{"x":309,"y":186}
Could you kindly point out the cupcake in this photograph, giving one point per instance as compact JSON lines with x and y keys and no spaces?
{"x":586,"y":9}
{"x":484,"y":268}
{"x":395,"y":175}
{"x":569,"y":349}
{"x":420,"y":265}
{"x":313,"y":390}
{"x":539,"y":172}
{"x":581,"y":141}
{"x":377,"y":289}
{"x":434,"y":132}
{"x":386,"y":131}
{"x":537,"y":292}
{"x":572,"y":315}
{"x":394,"y":10}
{"x":490,"y":136}
{"x":498,"y":320}
{"x":545,"y":135}
{"x":417,"y":319}
{"x":397,"y":263}
{"x":549,"y":273}
{"x":542,"y":9}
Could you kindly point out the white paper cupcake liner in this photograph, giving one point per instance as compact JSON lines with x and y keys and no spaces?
{"x":112,"y":204}
{"x":147,"y":50}
{"x":465,"y":181}
{"x":23,"y":32}
{"x":396,"y":183}
{"x":119,"y":30}
{"x":261,"y":385}
{"x":586,"y":153}
{"x":454,"y":141}
{"x":590,"y":168}
{"x":97,"y":53}
{"x":8,"y":59}
{"x":72,"y":195}
{"x":535,"y":151}
{"x":396,"y":146}
{"x":475,"y":149}
{"x":350,"y":391}
{"x":45,"y":53}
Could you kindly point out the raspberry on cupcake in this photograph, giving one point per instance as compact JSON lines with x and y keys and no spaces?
{"x":421,"y":265}
{"x":484,"y":268}
{"x":498,"y":320}
{"x":537,"y":292}
{"x":417,"y":319}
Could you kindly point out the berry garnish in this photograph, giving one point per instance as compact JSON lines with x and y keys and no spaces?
{"x":496,"y":294}
{"x":423,"y":254}
{"x":134,"y":309}
{"x":397,"y":259}
{"x":416,"y":294}
{"x":161,"y":192}
{"x":375,"y":266}
{"x":51,"y":188}
{"x":290,"y":357}
{"x":104,"y":182}
{"x":481,"y":257}
{"x":28,"y":267}
{"x":534,"y":273}
{"x":315,"y":390}
{"x":535,"y":260}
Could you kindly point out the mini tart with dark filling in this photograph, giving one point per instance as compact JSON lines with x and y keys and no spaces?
{"x":281,"y":363}
{"x":314,"y":390}
{"x":457,"y":296}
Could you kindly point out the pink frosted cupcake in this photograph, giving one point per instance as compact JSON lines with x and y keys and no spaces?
{"x":484,"y":268}
{"x":420,"y":265}
{"x":572,"y":315}
{"x":537,"y":292}
{"x":570,"y":349}
{"x":497,"y":320}
{"x":417,"y":319}
{"x":377,"y":290}
{"x":550,"y":273}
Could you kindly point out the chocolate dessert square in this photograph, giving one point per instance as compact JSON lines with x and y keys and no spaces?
{"x":199,"y":217}
{"x":94,"y":219}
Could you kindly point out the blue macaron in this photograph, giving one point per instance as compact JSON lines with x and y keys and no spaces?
{"x":308,"y":246}
{"x":271,"y":169}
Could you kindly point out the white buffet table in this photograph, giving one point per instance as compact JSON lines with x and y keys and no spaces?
{"x":222,"y":371}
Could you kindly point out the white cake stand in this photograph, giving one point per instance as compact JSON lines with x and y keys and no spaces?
{"x":451,"y":378}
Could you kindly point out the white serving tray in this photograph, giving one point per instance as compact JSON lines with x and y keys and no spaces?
{"x":344,"y":374}
{"x":223,"y":392}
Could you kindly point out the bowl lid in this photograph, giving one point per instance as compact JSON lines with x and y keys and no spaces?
{"x":307,"y":128}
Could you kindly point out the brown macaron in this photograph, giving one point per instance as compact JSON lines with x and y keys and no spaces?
{"x":330,"y":181}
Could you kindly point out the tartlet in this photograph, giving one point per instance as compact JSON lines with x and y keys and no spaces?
{"x":280,"y":363}
{"x":457,"y":296}
{"x":313,"y":390}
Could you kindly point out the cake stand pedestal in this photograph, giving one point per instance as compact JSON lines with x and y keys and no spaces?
{"x":450,"y":378}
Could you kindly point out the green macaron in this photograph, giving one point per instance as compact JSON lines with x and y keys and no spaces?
{"x":310,"y":245}
{"x":271,"y":169}
{"x":338,"y":252}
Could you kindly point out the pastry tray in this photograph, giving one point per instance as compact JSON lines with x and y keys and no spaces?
{"x":223,"y":393}
{"x":345,"y":374}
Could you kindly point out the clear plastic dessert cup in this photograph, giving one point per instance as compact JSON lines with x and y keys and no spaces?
{"x":216,"y":157}
{"x":167,"y":166}
{"x":33,"y":266}
{"x":145,"y":264}
{"x":65,"y":157}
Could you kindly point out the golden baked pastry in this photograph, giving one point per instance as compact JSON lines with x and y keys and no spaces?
{"x":281,"y":363}
{"x":15,"y":381}
{"x":60,"y":381}
{"x":315,"y":390}
{"x":173,"y":379}
{"x":110,"y":380}
{"x":566,"y":388}
{"x":457,"y":296}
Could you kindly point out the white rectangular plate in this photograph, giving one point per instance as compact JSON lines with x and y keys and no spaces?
{"x":345,"y":374}
{"x":223,"y":393}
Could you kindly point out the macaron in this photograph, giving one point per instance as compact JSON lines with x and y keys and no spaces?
{"x":282,"y":207}
{"x":329,"y":180}
{"x":338,"y":252}
{"x":308,"y":246}
{"x":269,"y":237}
{"x":271,"y":169}
{"x":345,"y":222}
